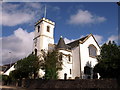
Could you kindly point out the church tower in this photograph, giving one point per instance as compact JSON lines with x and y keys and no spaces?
{"x":44,"y":35}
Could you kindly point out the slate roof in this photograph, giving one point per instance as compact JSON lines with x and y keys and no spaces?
{"x":76,"y":42}
{"x":61,"y":44}
{"x":81,"y":40}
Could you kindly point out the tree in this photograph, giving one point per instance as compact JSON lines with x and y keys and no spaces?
{"x":15,"y":74}
{"x":5,"y":79}
{"x":52,"y":65}
{"x":26,"y":67}
{"x":108,"y":61}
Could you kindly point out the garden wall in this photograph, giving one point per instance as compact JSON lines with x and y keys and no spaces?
{"x":97,"y":84}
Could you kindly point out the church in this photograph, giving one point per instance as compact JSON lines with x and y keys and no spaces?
{"x":78,"y":57}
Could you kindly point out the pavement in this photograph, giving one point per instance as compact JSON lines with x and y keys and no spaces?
{"x":11,"y":88}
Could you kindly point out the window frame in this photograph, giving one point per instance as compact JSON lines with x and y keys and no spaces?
{"x":69,"y":58}
{"x":48,"y":28}
{"x":70,"y":71}
{"x":35,"y":51}
{"x":91,"y":55}
{"x":38,"y":28}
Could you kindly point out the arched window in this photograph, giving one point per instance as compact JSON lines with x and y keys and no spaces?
{"x":92,"y":51}
{"x":48,"y":28}
{"x":38,"y":28}
{"x":87,"y":70}
{"x":36,"y":52}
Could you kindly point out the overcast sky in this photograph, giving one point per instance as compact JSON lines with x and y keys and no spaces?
{"x":72,"y":21}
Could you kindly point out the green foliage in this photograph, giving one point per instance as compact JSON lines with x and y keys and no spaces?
{"x":16,"y":74}
{"x":26,"y":67}
{"x":108,"y":62}
{"x":52,"y":65}
{"x":5,"y":77}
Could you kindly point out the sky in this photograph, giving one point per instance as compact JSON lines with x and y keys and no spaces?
{"x":73,"y":20}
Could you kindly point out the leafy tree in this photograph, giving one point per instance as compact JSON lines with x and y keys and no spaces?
{"x":27,"y":67}
{"x":16,"y":74}
{"x":108,"y":61}
{"x":5,"y":79}
{"x":52,"y":65}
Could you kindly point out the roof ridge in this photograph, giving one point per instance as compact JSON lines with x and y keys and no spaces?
{"x":76,"y":42}
{"x":80,"y":38}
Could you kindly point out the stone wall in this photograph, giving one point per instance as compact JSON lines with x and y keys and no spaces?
{"x":78,"y":84}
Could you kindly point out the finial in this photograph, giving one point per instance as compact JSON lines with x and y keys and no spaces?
{"x":45,"y":12}
{"x":61,"y":37}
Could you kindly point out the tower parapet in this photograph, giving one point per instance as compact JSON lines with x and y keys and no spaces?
{"x":46,"y":20}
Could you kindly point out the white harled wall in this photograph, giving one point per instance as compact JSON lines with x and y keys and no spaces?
{"x":67,"y":65}
{"x":43,"y":37}
{"x":84,"y":53}
{"x":76,"y":62}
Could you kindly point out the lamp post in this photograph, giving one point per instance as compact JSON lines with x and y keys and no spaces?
{"x":10,"y":58}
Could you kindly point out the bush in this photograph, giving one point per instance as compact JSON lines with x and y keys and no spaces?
{"x":5,"y":79}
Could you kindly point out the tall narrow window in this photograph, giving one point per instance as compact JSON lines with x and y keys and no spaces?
{"x":70,"y":71}
{"x":60,"y":56}
{"x":48,"y":28}
{"x":38,"y":28}
{"x":69,"y":58}
{"x":92,"y":51}
{"x":36,"y":52}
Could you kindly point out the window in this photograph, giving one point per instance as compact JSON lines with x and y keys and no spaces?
{"x":70,"y":71}
{"x":48,"y":28}
{"x":87,"y":70}
{"x":69,"y":58}
{"x":36,"y":52}
{"x":92,"y":51}
{"x":60,"y":56}
{"x":38,"y":28}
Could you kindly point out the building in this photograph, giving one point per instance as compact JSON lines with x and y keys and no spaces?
{"x":78,"y":57}
{"x":6,"y":69}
